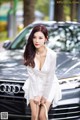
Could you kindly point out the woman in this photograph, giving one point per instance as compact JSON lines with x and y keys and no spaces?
{"x":42,"y":86}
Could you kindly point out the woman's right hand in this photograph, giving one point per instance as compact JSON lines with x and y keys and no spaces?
{"x":37,"y":100}
{"x":43,"y":100}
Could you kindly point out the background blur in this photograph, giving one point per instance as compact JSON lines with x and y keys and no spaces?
{"x":16,"y":14}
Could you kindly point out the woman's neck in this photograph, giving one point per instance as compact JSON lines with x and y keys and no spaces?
{"x":41,"y":50}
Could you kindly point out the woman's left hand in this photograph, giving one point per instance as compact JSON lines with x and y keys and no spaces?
{"x":37,"y":100}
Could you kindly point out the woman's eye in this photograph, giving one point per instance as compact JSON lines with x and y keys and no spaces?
{"x":40,"y":38}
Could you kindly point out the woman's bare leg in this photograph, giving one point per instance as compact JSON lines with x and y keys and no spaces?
{"x":34,"y":110}
{"x":42,"y":115}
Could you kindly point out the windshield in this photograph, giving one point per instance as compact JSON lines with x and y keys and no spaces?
{"x":65,"y":38}
{"x":21,"y":40}
{"x":62,"y":37}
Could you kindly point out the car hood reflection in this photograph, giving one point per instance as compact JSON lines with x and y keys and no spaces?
{"x":68,"y":65}
{"x":11,"y":65}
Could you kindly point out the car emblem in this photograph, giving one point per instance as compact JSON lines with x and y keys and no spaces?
{"x":9,"y":88}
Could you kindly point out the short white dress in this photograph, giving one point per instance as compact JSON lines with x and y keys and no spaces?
{"x":43,"y":82}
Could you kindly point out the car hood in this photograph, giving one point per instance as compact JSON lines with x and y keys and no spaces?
{"x":68,"y":65}
{"x":12,"y":66}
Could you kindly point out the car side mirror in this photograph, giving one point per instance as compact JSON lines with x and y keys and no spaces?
{"x":6,"y":44}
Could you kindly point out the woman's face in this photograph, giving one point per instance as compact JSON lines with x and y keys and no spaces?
{"x":39,"y":39}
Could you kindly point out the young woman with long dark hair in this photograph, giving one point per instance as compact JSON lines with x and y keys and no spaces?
{"x":42,"y":87}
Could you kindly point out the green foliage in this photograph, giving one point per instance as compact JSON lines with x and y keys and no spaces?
{"x":43,"y":6}
{"x":2,"y":1}
{"x":3,"y":36}
{"x":67,"y":7}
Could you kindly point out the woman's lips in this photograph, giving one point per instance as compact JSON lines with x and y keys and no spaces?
{"x":36,"y":44}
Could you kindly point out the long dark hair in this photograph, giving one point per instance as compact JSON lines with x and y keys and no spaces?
{"x":30,"y":49}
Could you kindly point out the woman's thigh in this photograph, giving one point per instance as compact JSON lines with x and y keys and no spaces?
{"x":42,"y":110}
{"x":48,"y":105}
{"x":34,"y":109}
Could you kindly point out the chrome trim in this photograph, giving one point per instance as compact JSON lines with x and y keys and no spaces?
{"x":9,"y":88}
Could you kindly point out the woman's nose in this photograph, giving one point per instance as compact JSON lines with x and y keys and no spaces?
{"x":36,"y":40}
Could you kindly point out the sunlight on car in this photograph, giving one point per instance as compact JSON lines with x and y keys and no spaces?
{"x":64,"y":38}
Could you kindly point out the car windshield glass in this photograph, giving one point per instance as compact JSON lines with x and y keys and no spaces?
{"x":62,"y":37}
{"x":21,"y":39}
{"x":65,"y":38}
{"x":58,"y":38}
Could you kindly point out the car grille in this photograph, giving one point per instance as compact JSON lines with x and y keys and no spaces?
{"x":68,"y":112}
{"x":11,"y":89}
{"x":13,"y":102}
{"x":65,"y":112}
{"x":12,"y":98}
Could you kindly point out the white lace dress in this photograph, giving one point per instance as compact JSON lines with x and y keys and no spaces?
{"x":43,"y":82}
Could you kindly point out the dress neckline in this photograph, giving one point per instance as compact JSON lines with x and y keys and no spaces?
{"x":36,"y":65}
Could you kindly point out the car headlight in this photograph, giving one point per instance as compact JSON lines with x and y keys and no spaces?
{"x":70,"y":83}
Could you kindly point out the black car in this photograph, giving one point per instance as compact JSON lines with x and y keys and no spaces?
{"x":64,"y":38}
